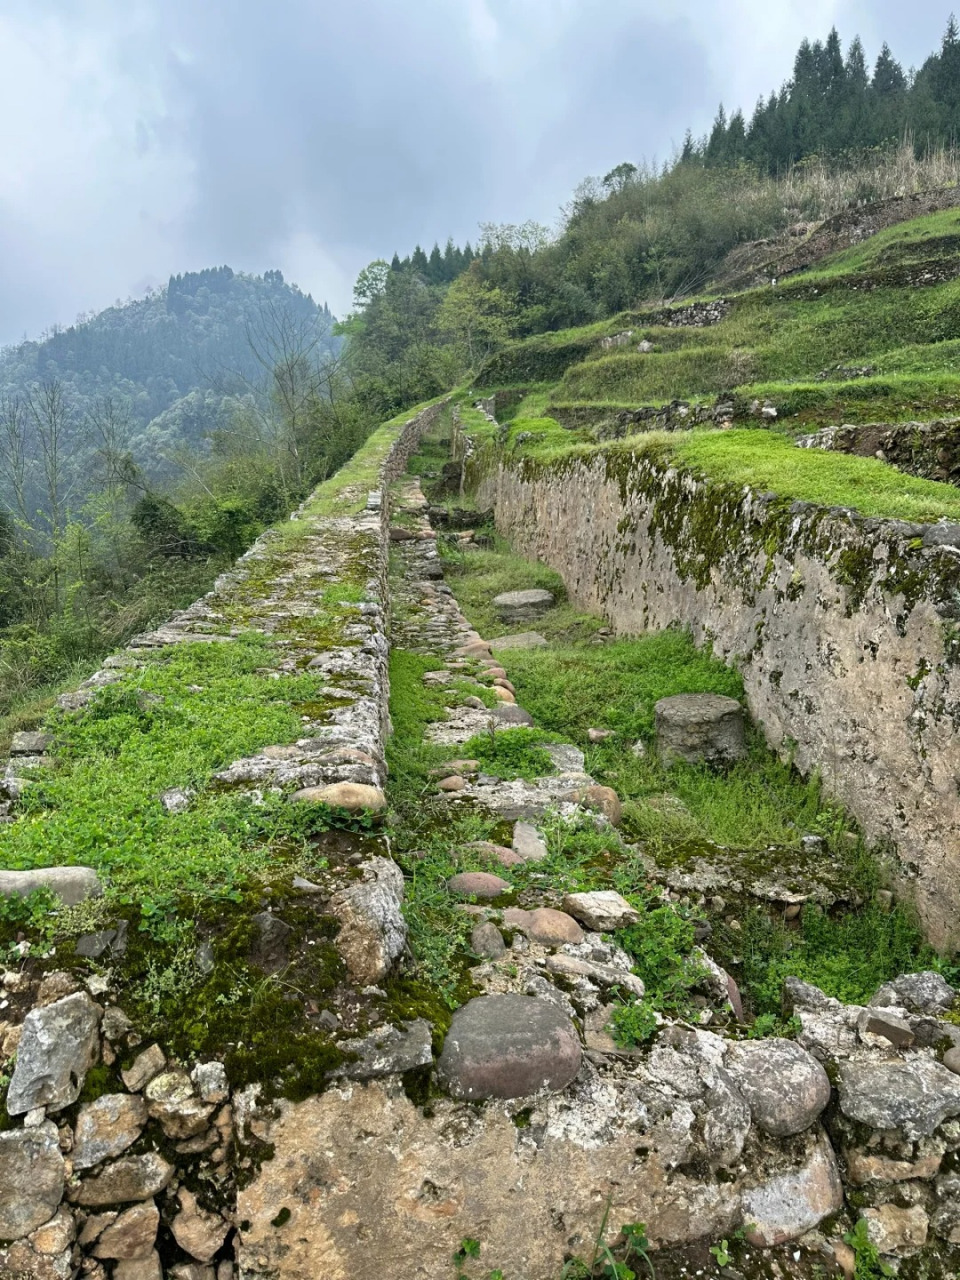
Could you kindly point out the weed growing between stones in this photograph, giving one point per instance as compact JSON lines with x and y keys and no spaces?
{"x":848,"y":955}
{"x":517,"y":754}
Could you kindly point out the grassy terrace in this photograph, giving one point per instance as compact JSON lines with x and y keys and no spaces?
{"x":848,"y":341}
{"x":765,"y":461}
{"x":756,"y":813}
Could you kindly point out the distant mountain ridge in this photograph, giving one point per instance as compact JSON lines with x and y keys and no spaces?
{"x":177,"y":360}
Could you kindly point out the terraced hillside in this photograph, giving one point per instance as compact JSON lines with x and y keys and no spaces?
{"x":871,"y":334}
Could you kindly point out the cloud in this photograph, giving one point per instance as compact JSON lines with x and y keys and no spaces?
{"x":145,"y":137}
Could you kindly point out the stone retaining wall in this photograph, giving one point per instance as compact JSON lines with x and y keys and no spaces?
{"x":844,"y":628}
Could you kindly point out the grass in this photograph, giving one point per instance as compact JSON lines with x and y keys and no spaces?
{"x":767,"y":461}
{"x":478,"y":577}
{"x":100,"y":806}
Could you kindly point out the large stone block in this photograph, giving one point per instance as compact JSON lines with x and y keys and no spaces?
{"x":700,"y":728}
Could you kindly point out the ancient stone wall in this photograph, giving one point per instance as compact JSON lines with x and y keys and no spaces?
{"x":137,"y":1177}
{"x":844,"y":628}
{"x":930,"y":450}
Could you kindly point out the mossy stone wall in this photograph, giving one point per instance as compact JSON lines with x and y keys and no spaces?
{"x":845,"y":628}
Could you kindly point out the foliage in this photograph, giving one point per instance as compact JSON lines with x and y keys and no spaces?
{"x":849,"y":956}
{"x":869,"y":1265}
{"x":517,"y":753}
{"x":186,"y":714}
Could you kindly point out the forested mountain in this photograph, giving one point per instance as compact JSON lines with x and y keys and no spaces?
{"x":168,"y":368}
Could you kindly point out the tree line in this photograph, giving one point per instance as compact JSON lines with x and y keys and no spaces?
{"x":834,"y":102}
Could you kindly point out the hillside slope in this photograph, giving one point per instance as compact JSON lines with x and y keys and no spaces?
{"x":869,"y":334}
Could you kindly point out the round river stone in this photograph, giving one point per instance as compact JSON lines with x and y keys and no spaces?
{"x":509,"y":1046}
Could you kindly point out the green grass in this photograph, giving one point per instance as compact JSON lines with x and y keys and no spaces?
{"x":755,"y":804}
{"x":477,"y":577}
{"x":767,"y":461}
{"x":100,"y":806}
{"x":846,"y":955}
{"x":775,"y":343}
{"x":517,"y":754}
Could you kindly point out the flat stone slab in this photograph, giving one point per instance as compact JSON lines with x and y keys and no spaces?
{"x":522,"y":640}
{"x":523,"y":606}
{"x":509,"y":714}
{"x":528,"y":843}
{"x":30,"y":743}
{"x":509,"y":1046}
{"x":58,"y":1046}
{"x":914,"y":1096}
{"x":389,"y":1051}
{"x":603,"y":911}
{"x":71,"y":885}
{"x":32,"y":1175}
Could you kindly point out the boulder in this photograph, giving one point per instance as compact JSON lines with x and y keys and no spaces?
{"x":913,"y":1096}
{"x":789,"y":1203}
{"x":106,"y":1127}
{"x":603,"y":911}
{"x":700,"y":728}
{"x":129,"y":1178}
{"x":508,"y":1046}
{"x":926,"y":992}
{"x":513,"y":607}
{"x":478,"y":884}
{"x":32,"y":1175}
{"x":786,"y":1089}
{"x":602,"y":800}
{"x":58,"y":1046}
{"x":544,"y":925}
{"x":373,"y":932}
{"x":355,"y":797}
{"x":71,"y":885}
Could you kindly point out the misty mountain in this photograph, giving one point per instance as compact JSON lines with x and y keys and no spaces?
{"x":170,"y":369}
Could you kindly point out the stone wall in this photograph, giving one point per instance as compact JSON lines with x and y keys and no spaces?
{"x":930,"y":450}
{"x":116,"y":1158}
{"x":844,"y":628}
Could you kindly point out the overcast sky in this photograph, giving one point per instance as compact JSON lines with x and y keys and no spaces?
{"x":144,"y":137}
